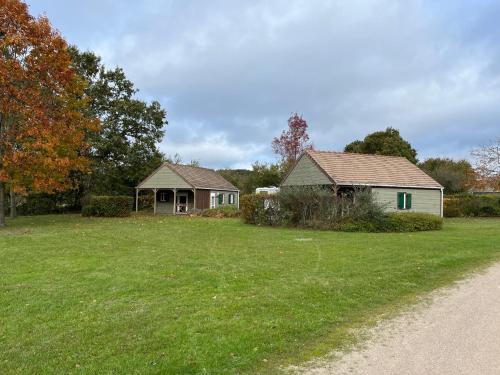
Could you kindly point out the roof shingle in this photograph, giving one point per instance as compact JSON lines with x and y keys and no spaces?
{"x":373,"y":170}
{"x":201,"y":178}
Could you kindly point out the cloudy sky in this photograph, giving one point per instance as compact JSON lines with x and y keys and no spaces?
{"x":230,"y":73}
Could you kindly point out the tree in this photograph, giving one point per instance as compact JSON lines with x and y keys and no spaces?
{"x":42,"y":104}
{"x":177,"y":159}
{"x":388,"y":142}
{"x":124,"y":151}
{"x":293,"y":141}
{"x":238,"y":177}
{"x":487,"y":164}
{"x":455,"y":176}
{"x":263,"y":175}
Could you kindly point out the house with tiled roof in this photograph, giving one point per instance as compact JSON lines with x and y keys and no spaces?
{"x":395,"y":182}
{"x":181,"y":189}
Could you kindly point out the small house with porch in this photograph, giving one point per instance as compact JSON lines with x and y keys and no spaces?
{"x":183,"y":189}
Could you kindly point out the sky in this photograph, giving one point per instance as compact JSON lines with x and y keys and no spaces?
{"x":230,"y":73}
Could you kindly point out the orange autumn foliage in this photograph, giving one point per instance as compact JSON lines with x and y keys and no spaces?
{"x":43,"y":127}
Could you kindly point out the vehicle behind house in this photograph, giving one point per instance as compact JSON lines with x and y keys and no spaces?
{"x":268,"y":190}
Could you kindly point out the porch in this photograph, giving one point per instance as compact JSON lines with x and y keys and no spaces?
{"x":171,"y":201}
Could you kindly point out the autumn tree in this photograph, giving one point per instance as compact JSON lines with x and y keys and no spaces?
{"x":43,"y":125}
{"x":387,"y":142}
{"x":293,"y":141}
{"x":487,"y":164}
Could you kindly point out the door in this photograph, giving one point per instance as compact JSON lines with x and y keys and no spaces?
{"x":182,"y":202}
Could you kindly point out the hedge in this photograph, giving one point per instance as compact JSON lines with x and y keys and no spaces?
{"x":395,"y":222}
{"x":108,"y":206}
{"x":37,"y":205}
{"x":472,"y":205}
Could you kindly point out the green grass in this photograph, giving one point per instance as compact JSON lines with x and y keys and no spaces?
{"x":193,"y":295}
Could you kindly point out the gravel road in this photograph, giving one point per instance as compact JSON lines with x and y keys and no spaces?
{"x":458,"y":332}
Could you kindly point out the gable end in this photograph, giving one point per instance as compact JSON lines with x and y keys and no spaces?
{"x":306,"y":172}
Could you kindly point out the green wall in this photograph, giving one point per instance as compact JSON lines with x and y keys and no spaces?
{"x":423,"y":200}
{"x":306,"y":172}
{"x":164,"y":177}
{"x":226,"y":197}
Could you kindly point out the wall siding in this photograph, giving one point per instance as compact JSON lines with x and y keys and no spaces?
{"x":202,"y":199}
{"x":306,"y":172}
{"x":168,"y":207}
{"x":164,"y":178}
{"x":423,"y":200}
{"x":226,"y":198}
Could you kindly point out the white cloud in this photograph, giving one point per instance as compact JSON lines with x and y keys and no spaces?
{"x":230,"y":73}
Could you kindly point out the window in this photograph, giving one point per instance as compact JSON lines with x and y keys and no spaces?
{"x":221,"y":198}
{"x":163,"y":196}
{"x":212,"y":200}
{"x":231,"y":199}
{"x":404,"y":201}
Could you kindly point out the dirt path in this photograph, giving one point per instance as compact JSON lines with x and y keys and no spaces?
{"x":457,"y":333}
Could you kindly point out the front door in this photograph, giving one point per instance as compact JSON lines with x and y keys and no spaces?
{"x":182,"y":203}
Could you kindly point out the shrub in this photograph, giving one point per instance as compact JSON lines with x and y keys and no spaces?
{"x":221,"y":212}
{"x":108,"y":206}
{"x":310,"y":207}
{"x":413,"y":222}
{"x":146,"y":201}
{"x":472,"y":205}
{"x":394,"y":222}
{"x":38,"y":204}
{"x":262,"y":209}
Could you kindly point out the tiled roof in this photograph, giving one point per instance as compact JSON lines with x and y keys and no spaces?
{"x":201,"y":178}
{"x":373,"y":170}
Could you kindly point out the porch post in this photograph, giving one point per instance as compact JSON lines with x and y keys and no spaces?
{"x":136,"y":200}
{"x":175,"y":201}
{"x":154,"y":201}
{"x":194,"y":200}
{"x":238,"y":205}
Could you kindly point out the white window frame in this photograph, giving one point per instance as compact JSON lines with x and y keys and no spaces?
{"x":231,"y":198}
{"x":163,"y":196}
{"x":213,"y":197}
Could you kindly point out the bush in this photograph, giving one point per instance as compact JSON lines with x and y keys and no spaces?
{"x":38,"y":204}
{"x":146,"y":201}
{"x":108,"y":206}
{"x":310,"y":207}
{"x":413,"y":222}
{"x":221,"y":212}
{"x":472,"y":205}
{"x":262,"y":209}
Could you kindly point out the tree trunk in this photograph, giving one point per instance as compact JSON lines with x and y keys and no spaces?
{"x":13,"y":208}
{"x":2,"y":204}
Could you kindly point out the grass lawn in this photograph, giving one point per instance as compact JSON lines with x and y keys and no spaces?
{"x":190,"y":295}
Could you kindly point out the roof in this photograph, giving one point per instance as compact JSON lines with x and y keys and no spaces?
{"x":201,"y":178}
{"x":371,"y":170}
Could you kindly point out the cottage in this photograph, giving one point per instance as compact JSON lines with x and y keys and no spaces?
{"x":396,"y":183}
{"x":180,"y":189}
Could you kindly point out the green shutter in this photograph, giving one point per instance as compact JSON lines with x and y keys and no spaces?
{"x":408,"y":201}
{"x":401,"y":201}
{"x":221,"y":198}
